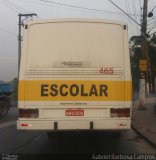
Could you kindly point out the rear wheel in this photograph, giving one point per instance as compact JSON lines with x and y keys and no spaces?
{"x":53,"y":135}
{"x":56,"y":134}
{"x":116,"y":134}
{"x":110,"y":134}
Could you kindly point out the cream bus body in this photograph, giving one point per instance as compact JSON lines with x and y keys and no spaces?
{"x":75,"y":75}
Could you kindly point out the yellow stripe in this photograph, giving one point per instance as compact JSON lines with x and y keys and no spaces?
{"x":117,"y":90}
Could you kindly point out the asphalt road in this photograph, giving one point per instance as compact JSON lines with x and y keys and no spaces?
{"x":18,"y":142}
{"x":13,"y":141}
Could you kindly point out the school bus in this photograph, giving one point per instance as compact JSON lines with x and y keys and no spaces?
{"x":75,"y":75}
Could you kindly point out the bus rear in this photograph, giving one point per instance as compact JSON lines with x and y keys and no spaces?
{"x":75,"y":75}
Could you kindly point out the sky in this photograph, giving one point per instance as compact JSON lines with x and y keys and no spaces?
{"x":51,"y":9}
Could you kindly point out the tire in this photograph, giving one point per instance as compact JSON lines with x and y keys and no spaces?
{"x":117,"y":134}
{"x":53,"y":135}
{"x":56,"y":134}
{"x":4,"y":107}
{"x":49,"y":135}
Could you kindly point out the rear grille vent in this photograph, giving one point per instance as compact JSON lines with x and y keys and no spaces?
{"x":72,"y":71}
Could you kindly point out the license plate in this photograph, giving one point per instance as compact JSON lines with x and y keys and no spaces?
{"x":73,"y":112}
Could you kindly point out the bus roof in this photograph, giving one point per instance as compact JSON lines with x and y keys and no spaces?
{"x":62,"y":20}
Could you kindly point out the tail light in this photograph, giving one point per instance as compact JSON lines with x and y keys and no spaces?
{"x":28,"y":113}
{"x":120,"y":112}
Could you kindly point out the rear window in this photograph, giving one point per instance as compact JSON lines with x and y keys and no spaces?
{"x":53,"y":45}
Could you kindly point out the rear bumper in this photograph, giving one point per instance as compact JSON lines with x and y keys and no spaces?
{"x":94,"y":124}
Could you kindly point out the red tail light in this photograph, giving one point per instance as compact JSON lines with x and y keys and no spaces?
{"x":24,"y":125}
{"x":120,"y":112}
{"x":28,"y":113}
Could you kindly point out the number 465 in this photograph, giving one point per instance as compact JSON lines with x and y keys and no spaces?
{"x":108,"y":70}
